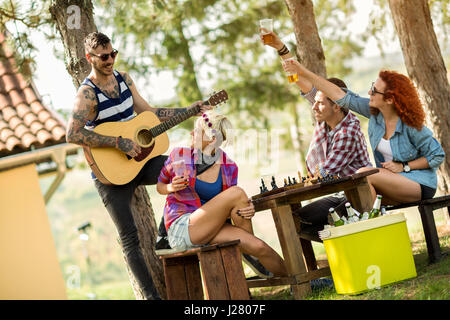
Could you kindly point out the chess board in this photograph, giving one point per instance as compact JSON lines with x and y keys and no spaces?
{"x":316,"y":182}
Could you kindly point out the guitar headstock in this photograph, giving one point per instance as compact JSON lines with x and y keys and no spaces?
{"x":218,"y":97}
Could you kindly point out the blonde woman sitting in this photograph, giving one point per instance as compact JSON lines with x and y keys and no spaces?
{"x":200,"y":202}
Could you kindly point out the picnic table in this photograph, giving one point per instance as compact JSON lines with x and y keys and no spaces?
{"x":282,"y":202}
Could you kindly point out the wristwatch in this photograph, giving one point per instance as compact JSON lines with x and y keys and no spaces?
{"x":406,"y":167}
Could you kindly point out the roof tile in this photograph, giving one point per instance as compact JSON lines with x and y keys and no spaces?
{"x":24,"y":122}
{"x":30,"y":118}
{"x":4,"y":100}
{"x":12,"y":143}
{"x":36,"y":126}
{"x":28,"y":139}
{"x":43,"y":136}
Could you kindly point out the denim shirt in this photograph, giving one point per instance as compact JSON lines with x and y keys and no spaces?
{"x":407,"y":143}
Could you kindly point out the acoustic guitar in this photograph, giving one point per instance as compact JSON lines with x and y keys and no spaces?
{"x":113,"y":167}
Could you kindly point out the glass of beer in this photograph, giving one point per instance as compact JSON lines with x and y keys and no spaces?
{"x":179,"y":168}
{"x":292,"y":77}
{"x":268,"y":25}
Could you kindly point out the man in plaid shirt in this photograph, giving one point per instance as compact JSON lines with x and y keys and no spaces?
{"x":338,"y":147}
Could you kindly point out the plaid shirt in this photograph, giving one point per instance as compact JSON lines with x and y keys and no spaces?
{"x":341,"y":151}
{"x":187,"y":200}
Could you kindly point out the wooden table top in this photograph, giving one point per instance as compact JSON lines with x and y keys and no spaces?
{"x":294,"y":194}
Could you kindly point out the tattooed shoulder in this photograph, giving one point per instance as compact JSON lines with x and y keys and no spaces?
{"x":127,"y":78}
{"x":87,"y":94}
{"x":85,"y":105}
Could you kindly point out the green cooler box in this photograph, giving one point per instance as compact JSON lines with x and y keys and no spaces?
{"x":369,"y":254}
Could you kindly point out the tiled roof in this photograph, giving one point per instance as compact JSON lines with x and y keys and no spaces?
{"x":25,"y":124}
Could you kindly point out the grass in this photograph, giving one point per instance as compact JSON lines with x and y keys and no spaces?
{"x":432,"y":281}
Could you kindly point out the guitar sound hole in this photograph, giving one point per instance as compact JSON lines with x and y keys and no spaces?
{"x":144,"y":137}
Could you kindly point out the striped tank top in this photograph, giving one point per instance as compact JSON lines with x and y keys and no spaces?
{"x":111,"y":109}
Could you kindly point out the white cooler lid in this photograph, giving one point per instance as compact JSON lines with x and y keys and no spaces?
{"x":361,"y":226}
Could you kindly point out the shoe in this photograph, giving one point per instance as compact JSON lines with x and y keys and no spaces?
{"x":319,"y":284}
{"x":256,"y":266}
{"x":162,"y":243}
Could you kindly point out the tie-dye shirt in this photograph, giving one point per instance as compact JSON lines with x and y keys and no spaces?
{"x":187,"y":200}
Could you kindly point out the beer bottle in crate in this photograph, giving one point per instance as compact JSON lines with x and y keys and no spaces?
{"x":337,"y":221}
{"x":375,"y":212}
{"x":351,"y":216}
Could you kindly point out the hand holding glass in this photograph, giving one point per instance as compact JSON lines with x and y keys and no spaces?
{"x":179,"y":168}
{"x":292,"y":76}
{"x":268,"y":25}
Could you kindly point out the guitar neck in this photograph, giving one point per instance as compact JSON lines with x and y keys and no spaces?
{"x":175,"y":120}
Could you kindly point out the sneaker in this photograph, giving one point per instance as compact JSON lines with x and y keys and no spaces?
{"x":319,"y":284}
{"x":256,"y":266}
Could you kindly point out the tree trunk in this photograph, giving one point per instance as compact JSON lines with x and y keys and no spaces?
{"x":309,"y":48}
{"x":426,"y":68}
{"x":144,"y":218}
{"x":74,"y":20}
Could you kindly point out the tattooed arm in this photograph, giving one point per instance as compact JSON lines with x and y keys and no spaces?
{"x":85,"y":109}
{"x":140,"y":105}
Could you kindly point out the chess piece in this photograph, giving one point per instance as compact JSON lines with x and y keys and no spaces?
{"x":273,"y":183}
{"x":285,"y":182}
{"x":294,"y":181}
{"x":263,"y":186}
{"x":289,"y":179}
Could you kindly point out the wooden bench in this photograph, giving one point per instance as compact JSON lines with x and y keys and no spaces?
{"x":426,"y":208}
{"x":221,"y":270}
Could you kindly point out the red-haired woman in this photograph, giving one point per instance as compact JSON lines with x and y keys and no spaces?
{"x":404,"y":149}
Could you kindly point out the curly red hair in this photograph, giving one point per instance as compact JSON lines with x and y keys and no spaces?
{"x":405,"y":98}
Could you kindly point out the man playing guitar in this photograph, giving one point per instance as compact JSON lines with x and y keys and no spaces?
{"x":105,"y":96}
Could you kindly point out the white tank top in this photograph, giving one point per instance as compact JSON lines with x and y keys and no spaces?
{"x":384,"y":147}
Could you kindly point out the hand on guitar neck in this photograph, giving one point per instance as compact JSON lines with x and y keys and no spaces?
{"x":202,"y":105}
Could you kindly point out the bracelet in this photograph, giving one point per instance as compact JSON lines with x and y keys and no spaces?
{"x":284,"y":50}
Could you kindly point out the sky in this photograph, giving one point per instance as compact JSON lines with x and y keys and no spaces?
{"x":55,"y":84}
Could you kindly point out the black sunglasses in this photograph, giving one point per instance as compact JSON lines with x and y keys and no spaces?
{"x":105,"y":56}
{"x":373,"y":90}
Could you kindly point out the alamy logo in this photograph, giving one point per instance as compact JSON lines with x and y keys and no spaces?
{"x":74,"y":18}
{"x":374,"y":280}
{"x":73,"y":277}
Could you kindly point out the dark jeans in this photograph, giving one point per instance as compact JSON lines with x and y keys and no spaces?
{"x":117,"y":200}
{"x":427,"y":192}
{"x":315,"y":214}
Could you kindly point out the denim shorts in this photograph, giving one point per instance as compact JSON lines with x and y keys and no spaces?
{"x":178,"y":233}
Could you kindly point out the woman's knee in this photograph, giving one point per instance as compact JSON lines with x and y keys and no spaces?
{"x":364,"y":169}
{"x":237,"y":193}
